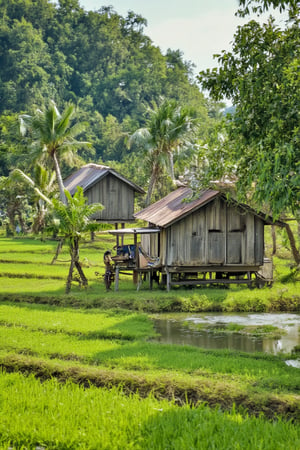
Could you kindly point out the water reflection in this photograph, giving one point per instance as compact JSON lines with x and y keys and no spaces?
{"x":173,"y":331}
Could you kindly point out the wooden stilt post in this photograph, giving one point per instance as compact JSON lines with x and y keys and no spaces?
{"x":140,"y":281}
{"x":117,"y":236}
{"x":168,"y":280}
{"x":136,"y":262}
{"x":117,"y":278}
{"x":122,"y":237}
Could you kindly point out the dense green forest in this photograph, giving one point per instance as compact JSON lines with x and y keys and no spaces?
{"x":99,"y":61}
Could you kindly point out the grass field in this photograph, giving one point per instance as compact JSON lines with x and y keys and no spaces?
{"x":52,"y":415}
{"x":26,"y":273}
{"x":82,"y":371}
{"x":159,"y":396}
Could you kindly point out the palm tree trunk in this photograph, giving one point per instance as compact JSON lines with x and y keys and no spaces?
{"x":81,"y":274}
{"x":60,"y":182}
{"x":70,"y":275}
{"x":58,"y":250}
{"x":171,"y":162}
{"x":152,"y":183}
{"x":83,"y":278}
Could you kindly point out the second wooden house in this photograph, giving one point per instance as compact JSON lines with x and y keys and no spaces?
{"x":205,"y":239}
{"x":102,"y":184}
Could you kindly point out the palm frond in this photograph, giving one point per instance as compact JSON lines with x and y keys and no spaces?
{"x":18,"y":174}
{"x":64,"y":121}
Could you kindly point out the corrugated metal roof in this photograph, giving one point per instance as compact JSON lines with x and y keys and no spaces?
{"x":175,"y":206}
{"x":90,"y":174}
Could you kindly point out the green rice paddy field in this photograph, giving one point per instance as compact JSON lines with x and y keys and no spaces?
{"x":83,"y":372}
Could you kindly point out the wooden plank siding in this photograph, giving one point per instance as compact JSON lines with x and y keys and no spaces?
{"x":150,"y":243}
{"x":117,"y":198}
{"x":259,"y":243}
{"x":216,"y":234}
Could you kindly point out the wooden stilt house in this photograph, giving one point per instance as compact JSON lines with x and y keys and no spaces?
{"x":205,"y":240}
{"x":104,"y":185}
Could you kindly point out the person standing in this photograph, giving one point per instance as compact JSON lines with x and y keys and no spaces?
{"x":109,"y":271}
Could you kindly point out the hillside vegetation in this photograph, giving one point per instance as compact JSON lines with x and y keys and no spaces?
{"x":103,"y":63}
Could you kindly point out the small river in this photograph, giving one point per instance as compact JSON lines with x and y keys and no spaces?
{"x":177,"y":328}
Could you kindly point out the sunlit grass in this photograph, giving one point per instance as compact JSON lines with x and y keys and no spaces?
{"x":123,"y":324}
{"x":40,"y":270}
{"x":29,"y":258}
{"x":53,"y":415}
{"x":34,"y":270}
{"x":33,"y":277}
{"x":29,"y":286}
{"x":49,"y":332}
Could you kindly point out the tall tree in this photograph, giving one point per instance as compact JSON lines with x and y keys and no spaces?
{"x":169,"y":127}
{"x":261,"y":76}
{"x":54,"y":137}
{"x":13,"y":201}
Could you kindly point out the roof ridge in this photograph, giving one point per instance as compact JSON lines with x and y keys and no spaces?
{"x":96,"y":166}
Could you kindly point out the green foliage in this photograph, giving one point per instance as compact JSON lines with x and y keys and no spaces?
{"x":92,"y":324}
{"x":53,"y":137}
{"x":195,"y":302}
{"x":261,"y":76}
{"x":74,"y":219}
{"x":260,"y":6}
{"x":110,"y":349}
{"x":99,"y":61}
{"x":13,"y":200}
{"x":169,"y":129}
{"x":256,"y":303}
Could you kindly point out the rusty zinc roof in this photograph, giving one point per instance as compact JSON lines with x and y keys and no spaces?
{"x":175,"y":206}
{"x":90,"y":174}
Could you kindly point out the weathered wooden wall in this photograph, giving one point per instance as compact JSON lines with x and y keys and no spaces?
{"x":116,"y":196}
{"x":217,"y":234}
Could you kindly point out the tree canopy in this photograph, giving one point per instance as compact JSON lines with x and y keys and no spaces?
{"x":261,"y":76}
{"x":169,"y":128}
{"x":53,"y":136}
{"x":98,"y":60}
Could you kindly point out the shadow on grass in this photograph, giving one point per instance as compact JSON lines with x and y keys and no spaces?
{"x":150,"y":355}
{"x":206,"y":428}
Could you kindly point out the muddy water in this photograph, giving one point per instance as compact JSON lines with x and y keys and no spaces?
{"x":175,"y":330}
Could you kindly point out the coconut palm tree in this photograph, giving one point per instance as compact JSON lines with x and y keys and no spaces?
{"x":53,"y":136}
{"x":168,"y":129}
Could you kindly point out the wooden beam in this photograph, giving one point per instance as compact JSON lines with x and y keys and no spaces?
{"x":117,"y":236}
